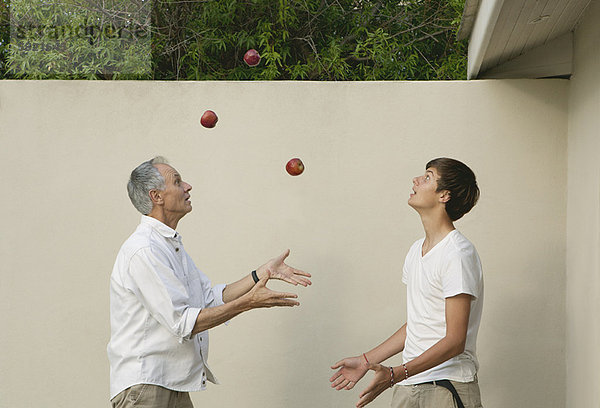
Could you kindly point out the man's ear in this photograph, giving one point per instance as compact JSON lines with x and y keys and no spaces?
{"x":156,"y":197}
{"x":445,"y":196}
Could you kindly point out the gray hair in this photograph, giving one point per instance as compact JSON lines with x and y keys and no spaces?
{"x":144,"y":178}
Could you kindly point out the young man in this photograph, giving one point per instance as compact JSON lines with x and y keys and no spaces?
{"x":444,"y":282}
{"x":162,"y":306}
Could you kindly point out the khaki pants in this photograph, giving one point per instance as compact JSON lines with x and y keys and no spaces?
{"x":435,"y":396}
{"x":151,"y":396}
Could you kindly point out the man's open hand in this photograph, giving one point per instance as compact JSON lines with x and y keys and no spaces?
{"x":380,"y":382}
{"x":276,"y":268}
{"x":261,"y":296}
{"x":351,"y":370}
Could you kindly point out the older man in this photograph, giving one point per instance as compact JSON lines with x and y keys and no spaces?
{"x":162,"y":306}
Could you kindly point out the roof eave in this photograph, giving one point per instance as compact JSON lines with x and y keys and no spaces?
{"x":481,"y":33}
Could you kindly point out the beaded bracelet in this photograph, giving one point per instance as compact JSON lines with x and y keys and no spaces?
{"x":391,"y":376}
{"x":405,"y":371}
{"x":365,"y":356}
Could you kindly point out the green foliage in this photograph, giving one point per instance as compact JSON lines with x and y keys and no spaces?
{"x":331,"y":40}
{"x":309,"y":40}
{"x":66,"y":40}
{"x":4,"y":35}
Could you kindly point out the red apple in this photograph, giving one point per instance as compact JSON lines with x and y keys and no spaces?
{"x":209,"y":119}
{"x":294,"y":167}
{"x":252,"y":58}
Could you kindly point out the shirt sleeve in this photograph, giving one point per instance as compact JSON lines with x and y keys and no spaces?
{"x":154,"y":283}
{"x":462,"y":274}
{"x":213,"y":296}
{"x":217,"y":296}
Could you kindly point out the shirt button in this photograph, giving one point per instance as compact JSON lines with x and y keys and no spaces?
{"x":176,"y":249}
{"x":200,"y":338}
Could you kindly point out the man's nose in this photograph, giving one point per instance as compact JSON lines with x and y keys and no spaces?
{"x":188,"y":187}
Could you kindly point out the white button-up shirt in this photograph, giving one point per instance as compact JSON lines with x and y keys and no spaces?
{"x":156,"y":293}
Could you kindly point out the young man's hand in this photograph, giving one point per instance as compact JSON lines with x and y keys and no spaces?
{"x":380,"y":382}
{"x":351,"y":370}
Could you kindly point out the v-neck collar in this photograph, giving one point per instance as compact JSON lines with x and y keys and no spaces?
{"x":435,"y":246}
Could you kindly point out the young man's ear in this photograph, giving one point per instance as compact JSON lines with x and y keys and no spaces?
{"x":156,"y":197}
{"x":445,"y":196}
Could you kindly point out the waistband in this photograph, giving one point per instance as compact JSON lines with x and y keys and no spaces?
{"x":447,"y":385}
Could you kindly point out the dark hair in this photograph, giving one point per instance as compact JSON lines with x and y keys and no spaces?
{"x":460,"y":181}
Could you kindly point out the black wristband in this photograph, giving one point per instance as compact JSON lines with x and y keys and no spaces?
{"x":255,"y":277}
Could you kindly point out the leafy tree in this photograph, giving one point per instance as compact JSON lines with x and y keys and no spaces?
{"x":4,"y":35}
{"x":78,"y":39}
{"x":311,"y":40}
{"x":297,"y":39}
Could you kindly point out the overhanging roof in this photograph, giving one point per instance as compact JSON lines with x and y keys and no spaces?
{"x":520,"y":38}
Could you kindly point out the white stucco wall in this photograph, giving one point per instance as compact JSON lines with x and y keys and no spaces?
{"x":68,"y":148}
{"x":583,"y":239}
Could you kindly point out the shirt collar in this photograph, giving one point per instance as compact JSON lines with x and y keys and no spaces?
{"x":161,"y":228}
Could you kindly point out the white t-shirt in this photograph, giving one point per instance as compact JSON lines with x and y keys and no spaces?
{"x":450,"y":268}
